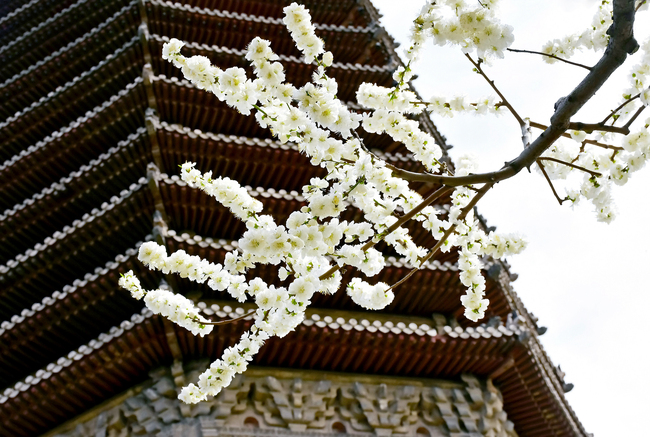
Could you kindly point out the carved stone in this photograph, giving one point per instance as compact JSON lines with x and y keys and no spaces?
{"x":271,"y":402}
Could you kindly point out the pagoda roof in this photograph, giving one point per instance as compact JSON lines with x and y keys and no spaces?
{"x":70,"y":101}
{"x":57,"y":261}
{"x":326,"y":340}
{"x":349,"y":44}
{"x":57,"y":73}
{"x":37,"y":166}
{"x":69,"y":27}
{"x":68,"y":199}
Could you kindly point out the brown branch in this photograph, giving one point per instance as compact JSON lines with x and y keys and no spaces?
{"x":625,"y":130}
{"x":566,"y":135}
{"x":541,"y":167}
{"x":639,"y":5}
{"x":405,"y":218}
{"x":446,"y":235}
{"x":224,"y":322}
{"x":550,"y":56}
{"x":636,"y":114}
{"x":621,"y":43}
{"x":570,"y":164}
{"x":480,"y":71}
{"x":590,"y":127}
{"x":620,"y":107}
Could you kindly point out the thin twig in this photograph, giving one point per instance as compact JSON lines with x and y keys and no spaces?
{"x":620,"y":107}
{"x":480,"y":71}
{"x":446,"y":235}
{"x":636,"y":114}
{"x":590,"y":127}
{"x":541,"y":167}
{"x":570,"y":164}
{"x":225,"y":322}
{"x":639,"y":5}
{"x":405,"y":218}
{"x":566,"y":135}
{"x":550,"y":56}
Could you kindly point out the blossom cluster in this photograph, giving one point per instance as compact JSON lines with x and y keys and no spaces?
{"x":470,"y":25}
{"x":175,"y":307}
{"x":594,"y":38}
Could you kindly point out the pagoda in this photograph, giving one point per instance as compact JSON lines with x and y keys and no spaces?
{"x":93,"y":127}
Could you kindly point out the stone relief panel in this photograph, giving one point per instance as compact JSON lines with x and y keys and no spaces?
{"x":273,"y":402}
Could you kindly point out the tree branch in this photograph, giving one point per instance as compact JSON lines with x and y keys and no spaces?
{"x":405,"y":218}
{"x":570,"y":164}
{"x":620,"y":107}
{"x":590,"y":127}
{"x":446,"y":235}
{"x":541,"y":167}
{"x":550,"y":56}
{"x":566,"y":135}
{"x":507,"y":104}
{"x":620,"y":44}
{"x":224,"y":322}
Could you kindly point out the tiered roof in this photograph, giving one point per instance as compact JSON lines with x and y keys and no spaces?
{"x":92,"y":128}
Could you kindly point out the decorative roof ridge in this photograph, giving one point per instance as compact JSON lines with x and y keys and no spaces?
{"x":381,"y":323}
{"x":228,"y":245}
{"x":255,"y":18}
{"x":237,"y":52}
{"x":251,"y":141}
{"x":77,"y":224}
{"x":70,"y":288}
{"x":60,"y":184}
{"x":73,"y":125}
{"x":52,"y":94}
{"x":75,"y":355}
{"x":71,"y":44}
{"x":18,"y":11}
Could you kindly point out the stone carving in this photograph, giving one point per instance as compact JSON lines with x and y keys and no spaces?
{"x":298,"y":403}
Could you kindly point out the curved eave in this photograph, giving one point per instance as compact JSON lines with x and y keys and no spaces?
{"x":435,"y":288}
{"x":192,"y":209}
{"x":341,"y":12}
{"x":348,"y":76}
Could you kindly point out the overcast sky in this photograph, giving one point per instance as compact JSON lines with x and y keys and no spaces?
{"x":584,"y":280}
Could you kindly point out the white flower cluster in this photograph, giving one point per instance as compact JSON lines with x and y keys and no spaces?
{"x":468,"y":24}
{"x":227,"y":192}
{"x":175,"y":307}
{"x":376,"y":296}
{"x":298,"y":21}
{"x":594,"y":38}
{"x":220,"y":373}
{"x":447,"y":107}
{"x":473,"y":243}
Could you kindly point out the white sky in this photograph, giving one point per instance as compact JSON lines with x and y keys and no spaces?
{"x":584,"y":280}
